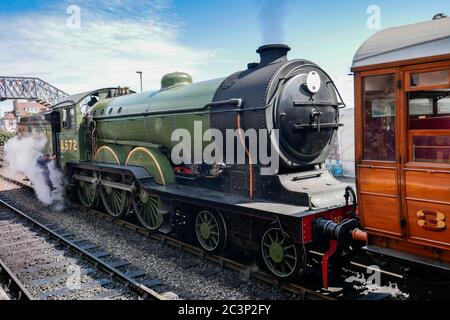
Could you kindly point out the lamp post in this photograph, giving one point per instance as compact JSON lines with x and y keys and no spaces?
{"x":140,"y":76}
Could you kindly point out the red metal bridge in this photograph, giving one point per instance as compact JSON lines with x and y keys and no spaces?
{"x":30,"y":89}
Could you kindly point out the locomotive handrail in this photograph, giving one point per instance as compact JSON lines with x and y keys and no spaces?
{"x":322,"y":103}
{"x":341,"y":104}
{"x":158,"y":114}
{"x":315,"y":126}
{"x":236,"y":101}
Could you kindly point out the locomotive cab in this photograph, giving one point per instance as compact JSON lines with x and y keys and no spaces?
{"x":71,"y":133}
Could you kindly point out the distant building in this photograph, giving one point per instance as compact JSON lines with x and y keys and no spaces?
{"x":20,"y":109}
{"x":9,"y":122}
{"x":23,"y":109}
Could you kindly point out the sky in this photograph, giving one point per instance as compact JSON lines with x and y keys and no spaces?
{"x":82,"y":45}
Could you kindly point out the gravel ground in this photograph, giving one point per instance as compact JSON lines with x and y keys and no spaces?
{"x":158,"y":260}
{"x":40,"y":257}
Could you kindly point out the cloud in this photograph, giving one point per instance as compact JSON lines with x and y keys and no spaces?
{"x":115,"y":39}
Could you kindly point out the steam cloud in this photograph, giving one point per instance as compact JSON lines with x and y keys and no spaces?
{"x":20,"y":157}
{"x":271,"y":18}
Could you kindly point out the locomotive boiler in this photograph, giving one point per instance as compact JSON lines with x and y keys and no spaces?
{"x":119,"y":152}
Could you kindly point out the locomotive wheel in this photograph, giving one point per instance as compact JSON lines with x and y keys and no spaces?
{"x":114,"y":200}
{"x":146,"y":208}
{"x":279,"y":253}
{"x":211,"y":231}
{"x":87,"y":192}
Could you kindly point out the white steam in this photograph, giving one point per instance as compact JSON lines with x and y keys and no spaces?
{"x":271,"y":16}
{"x":21,"y":156}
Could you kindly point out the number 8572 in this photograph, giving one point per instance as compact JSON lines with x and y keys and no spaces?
{"x":68,"y":145}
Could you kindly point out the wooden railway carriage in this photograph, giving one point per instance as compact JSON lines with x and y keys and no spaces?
{"x":402,"y":117}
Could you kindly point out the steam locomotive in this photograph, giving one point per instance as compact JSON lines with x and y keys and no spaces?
{"x":117,"y":149}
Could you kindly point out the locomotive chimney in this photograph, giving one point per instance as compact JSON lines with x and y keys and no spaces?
{"x":273,"y":53}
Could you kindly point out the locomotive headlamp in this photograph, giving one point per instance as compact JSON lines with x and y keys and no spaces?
{"x":313,"y":82}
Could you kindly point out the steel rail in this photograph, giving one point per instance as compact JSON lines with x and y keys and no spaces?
{"x":294,"y":288}
{"x":129,"y":282}
{"x":14,"y":285}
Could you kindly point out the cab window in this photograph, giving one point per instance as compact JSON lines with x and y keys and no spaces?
{"x":64,"y":118}
{"x":72,"y":117}
{"x":68,"y":118}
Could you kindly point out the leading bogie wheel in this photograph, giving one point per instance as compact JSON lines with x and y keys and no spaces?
{"x":211,"y":231}
{"x":280,"y":254}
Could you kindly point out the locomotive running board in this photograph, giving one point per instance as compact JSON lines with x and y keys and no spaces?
{"x":408,"y":257}
{"x":225,"y":201}
{"x":202,"y":196}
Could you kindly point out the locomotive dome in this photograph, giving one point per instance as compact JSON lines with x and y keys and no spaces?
{"x":175,"y":79}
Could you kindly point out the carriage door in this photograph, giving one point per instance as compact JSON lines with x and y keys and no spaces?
{"x":378,"y":161}
{"x":427,"y":167}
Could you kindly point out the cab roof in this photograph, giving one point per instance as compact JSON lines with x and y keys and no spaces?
{"x":77,"y":98}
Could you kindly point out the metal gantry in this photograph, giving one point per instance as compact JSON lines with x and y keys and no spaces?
{"x":31,"y":89}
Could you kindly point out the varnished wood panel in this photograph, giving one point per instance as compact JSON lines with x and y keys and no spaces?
{"x":412,"y":246}
{"x":426,"y":185}
{"x":419,"y":233}
{"x":376,"y":180}
{"x":380,"y":213}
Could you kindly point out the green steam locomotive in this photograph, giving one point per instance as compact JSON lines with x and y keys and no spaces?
{"x":117,"y":149}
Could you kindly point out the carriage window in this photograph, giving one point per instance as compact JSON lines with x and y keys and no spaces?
{"x":420,"y":106}
{"x":444,"y":105}
{"x":429,"y":110}
{"x":432,"y":148}
{"x":427,"y":79}
{"x":379,"y":118}
{"x":429,"y":130}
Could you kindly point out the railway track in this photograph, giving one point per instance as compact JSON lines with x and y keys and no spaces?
{"x":11,"y":288}
{"x":40,"y":263}
{"x":301,"y":291}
